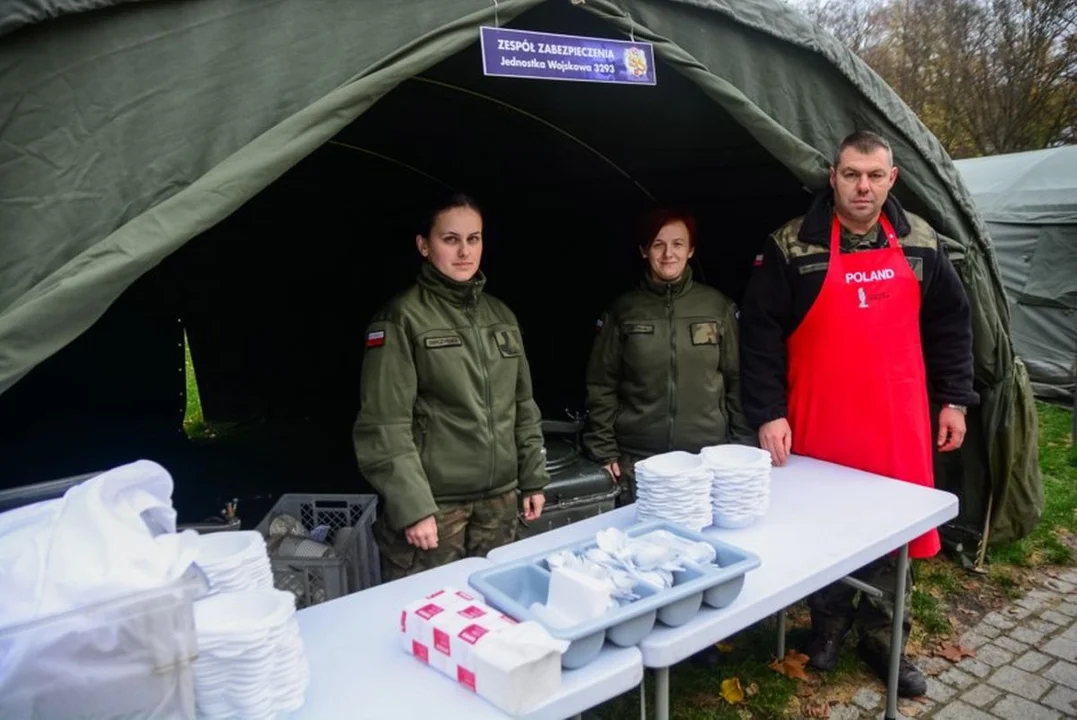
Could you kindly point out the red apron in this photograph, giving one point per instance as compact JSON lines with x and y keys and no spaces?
{"x":857,"y":385}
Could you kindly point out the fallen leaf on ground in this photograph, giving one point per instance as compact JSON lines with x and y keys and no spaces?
{"x":725,"y":647}
{"x":910,"y":710}
{"x":732,"y":692}
{"x":819,"y":709}
{"x":805,"y":691}
{"x":954,"y":653}
{"x":744,"y":714}
{"x":752,"y":690}
{"x":792,"y":665}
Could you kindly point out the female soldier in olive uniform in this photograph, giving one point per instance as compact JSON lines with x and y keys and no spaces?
{"x":448,"y":433}
{"x":664,"y":373}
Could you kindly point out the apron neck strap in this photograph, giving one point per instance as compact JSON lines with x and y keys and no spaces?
{"x":884,"y":225}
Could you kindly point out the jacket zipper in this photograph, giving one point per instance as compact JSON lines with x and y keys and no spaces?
{"x":489,"y":398}
{"x":672,"y":366}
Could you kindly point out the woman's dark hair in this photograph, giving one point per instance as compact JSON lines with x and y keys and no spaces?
{"x":448,"y":202}
{"x":655,"y":220}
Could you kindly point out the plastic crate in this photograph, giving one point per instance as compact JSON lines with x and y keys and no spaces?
{"x":126,"y":657}
{"x":315,"y":580}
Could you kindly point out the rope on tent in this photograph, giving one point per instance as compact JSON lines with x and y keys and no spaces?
{"x":402,"y":164}
{"x":497,"y":101}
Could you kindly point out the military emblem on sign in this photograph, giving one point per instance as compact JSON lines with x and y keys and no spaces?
{"x":635,"y":62}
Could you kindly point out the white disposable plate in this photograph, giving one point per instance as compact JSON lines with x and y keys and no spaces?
{"x":735,"y":456}
{"x":229,"y":549}
{"x":242,"y":613}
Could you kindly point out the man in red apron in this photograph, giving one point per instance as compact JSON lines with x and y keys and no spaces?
{"x":853,"y":324}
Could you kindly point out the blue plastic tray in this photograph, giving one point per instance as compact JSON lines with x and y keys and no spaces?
{"x":513,"y":587}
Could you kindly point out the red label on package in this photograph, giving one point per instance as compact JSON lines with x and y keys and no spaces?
{"x":441,"y":641}
{"x":471,"y":612}
{"x":403,"y":621}
{"x":434,"y":595}
{"x":472,"y":634}
{"x":465,"y":677}
{"x":428,"y":611}
{"x":464,"y":595}
{"x":506,"y":618}
{"x":420,"y":651}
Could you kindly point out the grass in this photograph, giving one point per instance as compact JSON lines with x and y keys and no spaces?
{"x":194,"y":423}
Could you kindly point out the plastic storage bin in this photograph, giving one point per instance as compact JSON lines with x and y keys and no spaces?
{"x":357,"y":567}
{"x":123,"y":658}
{"x":513,"y":587}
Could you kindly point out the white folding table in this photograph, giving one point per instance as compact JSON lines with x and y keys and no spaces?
{"x":359,"y":670}
{"x":825,"y":521}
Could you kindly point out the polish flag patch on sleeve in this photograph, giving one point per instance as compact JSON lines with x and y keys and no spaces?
{"x":375,"y":338}
{"x":758,"y":260}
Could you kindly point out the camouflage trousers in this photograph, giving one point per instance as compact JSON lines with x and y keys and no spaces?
{"x":465,"y":529}
{"x":833,"y":611}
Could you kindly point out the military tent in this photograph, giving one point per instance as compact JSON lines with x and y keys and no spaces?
{"x":1029,"y":202}
{"x":251,"y":173}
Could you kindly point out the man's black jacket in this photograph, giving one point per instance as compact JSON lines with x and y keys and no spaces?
{"x":784,"y":286}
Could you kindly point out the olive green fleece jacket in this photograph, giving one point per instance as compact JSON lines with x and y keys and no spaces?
{"x":664,"y":373}
{"x":447,"y":410}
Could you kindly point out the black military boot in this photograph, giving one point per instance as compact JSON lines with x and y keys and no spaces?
{"x":911,"y":682}
{"x":828,"y":634}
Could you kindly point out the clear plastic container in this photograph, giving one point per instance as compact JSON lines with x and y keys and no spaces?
{"x":127,"y":657}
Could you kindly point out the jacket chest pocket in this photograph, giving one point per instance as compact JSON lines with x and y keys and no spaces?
{"x":645,"y":347}
{"x":441,"y":359}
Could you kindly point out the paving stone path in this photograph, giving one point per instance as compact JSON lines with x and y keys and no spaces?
{"x":1025,"y":666}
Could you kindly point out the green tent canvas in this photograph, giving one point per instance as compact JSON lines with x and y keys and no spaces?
{"x":1029,"y":202}
{"x":254,"y":170}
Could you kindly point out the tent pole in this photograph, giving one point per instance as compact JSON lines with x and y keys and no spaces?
{"x":982,"y":553}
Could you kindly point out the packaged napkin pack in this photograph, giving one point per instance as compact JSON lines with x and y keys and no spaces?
{"x":515,"y":666}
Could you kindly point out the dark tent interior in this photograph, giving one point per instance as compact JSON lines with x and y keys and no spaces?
{"x":275,"y":299}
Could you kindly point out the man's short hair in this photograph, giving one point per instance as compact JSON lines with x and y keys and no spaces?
{"x":866,"y":142}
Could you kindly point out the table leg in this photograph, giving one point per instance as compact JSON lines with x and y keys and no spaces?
{"x":896,"y":633}
{"x":781,"y":633}
{"x":643,"y":696}
{"x":661,"y":694}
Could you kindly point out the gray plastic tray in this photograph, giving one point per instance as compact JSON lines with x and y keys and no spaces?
{"x":513,"y":587}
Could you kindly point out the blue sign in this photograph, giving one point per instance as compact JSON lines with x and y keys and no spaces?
{"x":546,"y":56}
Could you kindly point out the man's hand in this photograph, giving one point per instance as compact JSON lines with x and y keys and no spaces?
{"x":614,"y":469}
{"x":533,"y":505}
{"x":951,"y":429}
{"x":423,"y":534}
{"x":776,"y":437}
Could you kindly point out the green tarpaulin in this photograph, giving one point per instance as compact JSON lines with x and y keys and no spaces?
{"x":251,"y":168}
{"x":1029,"y":202}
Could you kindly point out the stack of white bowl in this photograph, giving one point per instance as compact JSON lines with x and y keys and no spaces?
{"x":674,"y":486}
{"x":740,"y":483}
{"x":250,"y":656}
{"x":234,"y":561}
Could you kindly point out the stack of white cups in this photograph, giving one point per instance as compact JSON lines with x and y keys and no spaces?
{"x":740,"y":483}
{"x":250,"y":656}
{"x":676,"y":487}
{"x":234,"y":561}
